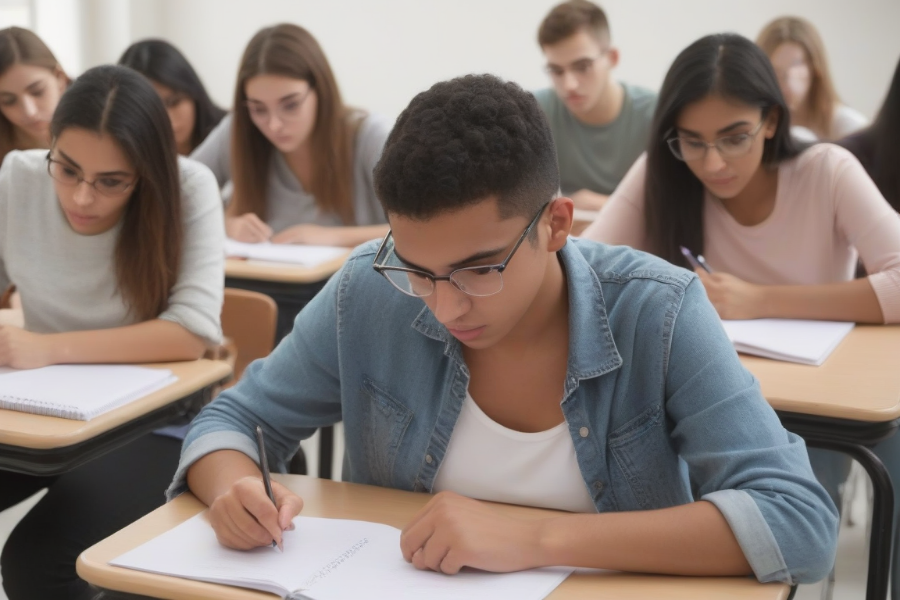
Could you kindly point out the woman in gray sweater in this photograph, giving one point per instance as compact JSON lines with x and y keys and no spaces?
{"x":115,"y":245}
{"x":300,"y":161}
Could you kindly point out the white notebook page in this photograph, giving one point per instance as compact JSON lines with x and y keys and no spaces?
{"x":327,"y":559}
{"x":800,"y":341}
{"x":78,"y":392}
{"x":298,"y":254}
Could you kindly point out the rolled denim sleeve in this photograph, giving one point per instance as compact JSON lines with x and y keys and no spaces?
{"x":739,"y":456}
{"x":290,"y":393}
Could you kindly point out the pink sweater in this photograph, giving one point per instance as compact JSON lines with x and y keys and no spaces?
{"x":826,"y":210}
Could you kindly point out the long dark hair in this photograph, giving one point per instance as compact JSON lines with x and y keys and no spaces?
{"x":118,"y":102}
{"x":21,"y":46}
{"x":884,"y":136}
{"x":292,"y":51}
{"x":726,"y":65}
{"x":163,"y":63}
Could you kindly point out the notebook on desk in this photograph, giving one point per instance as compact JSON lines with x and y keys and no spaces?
{"x":296,"y":254}
{"x":79,"y":392}
{"x":804,"y":342}
{"x":327,"y":559}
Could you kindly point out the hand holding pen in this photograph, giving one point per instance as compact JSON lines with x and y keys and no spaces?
{"x":696,"y":263}
{"x":732,"y":297}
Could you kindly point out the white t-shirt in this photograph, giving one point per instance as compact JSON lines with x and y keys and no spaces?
{"x":488,"y":461}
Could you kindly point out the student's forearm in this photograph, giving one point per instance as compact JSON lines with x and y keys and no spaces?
{"x":693,"y":539}
{"x":215,"y":473}
{"x":354,"y":236}
{"x":150,"y":341}
{"x":849,"y":301}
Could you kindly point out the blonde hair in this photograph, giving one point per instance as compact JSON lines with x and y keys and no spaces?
{"x":821,"y":99}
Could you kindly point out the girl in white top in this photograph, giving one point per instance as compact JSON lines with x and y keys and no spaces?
{"x":115,"y":245}
{"x":31,"y":82}
{"x":300,"y":160}
{"x":798,"y":55}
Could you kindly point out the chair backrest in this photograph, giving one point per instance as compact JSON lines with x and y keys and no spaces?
{"x":248,"y":319}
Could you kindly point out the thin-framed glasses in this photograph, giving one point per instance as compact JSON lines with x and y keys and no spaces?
{"x":580,"y":68}
{"x":107,"y":185}
{"x":729,"y":146}
{"x":482,"y":280}
{"x":287,"y":110}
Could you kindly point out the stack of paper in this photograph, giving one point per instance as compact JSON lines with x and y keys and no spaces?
{"x":804,"y":342}
{"x":297,"y":254}
{"x":78,"y":392}
{"x":327,"y":559}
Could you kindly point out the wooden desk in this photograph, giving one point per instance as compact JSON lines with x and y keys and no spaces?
{"x":280,"y":272}
{"x":848,"y":404}
{"x":345,"y":500}
{"x":42,"y":445}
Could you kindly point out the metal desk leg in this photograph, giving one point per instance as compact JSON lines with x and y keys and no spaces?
{"x":326,"y":451}
{"x":882,"y":512}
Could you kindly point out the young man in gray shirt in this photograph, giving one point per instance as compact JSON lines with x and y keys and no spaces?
{"x":599,"y":125}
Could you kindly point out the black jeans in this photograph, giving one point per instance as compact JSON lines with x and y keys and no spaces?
{"x":80,"y":508}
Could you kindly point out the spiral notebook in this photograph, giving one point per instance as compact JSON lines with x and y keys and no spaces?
{"x":327,"y":559}
{"x":79,"y":392}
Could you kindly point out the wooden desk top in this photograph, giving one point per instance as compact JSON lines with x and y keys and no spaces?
{"x":281,"y":272}
{"x":859,"y":381}
{"x":325,"y":498}
{"x":41,"y":432}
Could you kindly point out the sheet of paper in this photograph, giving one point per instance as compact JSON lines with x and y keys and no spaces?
{"x":805,"y":342}
{"x":78,"y":391}
{"x":297,"y":254}
{"x":327,"y":559}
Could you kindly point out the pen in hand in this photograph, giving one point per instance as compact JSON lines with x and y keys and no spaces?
{"x":267,"y":479}
{"x":697,"y":263}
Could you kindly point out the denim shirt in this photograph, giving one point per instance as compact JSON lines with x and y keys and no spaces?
{"x":658,"y":406}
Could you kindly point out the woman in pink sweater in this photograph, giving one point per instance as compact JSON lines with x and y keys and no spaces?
{"x":781,"y":225}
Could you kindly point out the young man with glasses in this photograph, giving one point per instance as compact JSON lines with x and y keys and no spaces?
{"x":479,"y":353}
{"x":599,"y":125}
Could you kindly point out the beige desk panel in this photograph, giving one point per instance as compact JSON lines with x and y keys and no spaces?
{"x":859,"y":381}
{"x":325,"y":498}
{"x":42,"y":432}
{"x":281,"y":273}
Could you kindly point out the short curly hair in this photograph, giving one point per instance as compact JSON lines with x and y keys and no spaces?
{"x":463,"y":141}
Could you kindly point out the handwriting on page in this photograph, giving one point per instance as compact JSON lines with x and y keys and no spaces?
{"x":335,"y":564}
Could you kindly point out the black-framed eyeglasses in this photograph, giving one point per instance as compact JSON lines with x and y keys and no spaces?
{"x":729,"y":146}
{"x":109,"y":186}
{"x":482,"y":280}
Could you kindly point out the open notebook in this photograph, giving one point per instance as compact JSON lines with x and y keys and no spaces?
{"x":804,"y":342}
{"x":327,"y":559}
{"x":78,"y":392}
{"x":297,"y":254}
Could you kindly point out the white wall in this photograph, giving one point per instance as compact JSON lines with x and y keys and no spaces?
{"x":385,"y":51}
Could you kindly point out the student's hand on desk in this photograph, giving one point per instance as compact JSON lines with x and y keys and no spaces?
{"x":245,"y":518}
{"x":247,"y":228}
{"x":588,"y":200}
{"x":733,"y":298}
{"x":22,"y":349}
{"x":316,"y":235}
{"x":453,"y":531}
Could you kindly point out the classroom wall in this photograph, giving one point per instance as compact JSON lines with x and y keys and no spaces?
{"x":386,"y":51}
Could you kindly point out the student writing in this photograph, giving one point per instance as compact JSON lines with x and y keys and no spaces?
{"x":477,"y":323}
{"x":129,"y":269}
{"x":31,"y":82}
{"x":599,"y":124}
{"x":300,"y":160}
{"x":192,"y":112}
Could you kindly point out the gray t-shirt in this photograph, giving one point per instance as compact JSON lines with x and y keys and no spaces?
{"x":67,"y":281}
{"x":288,"y":204}
{"x":596,"y":157}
